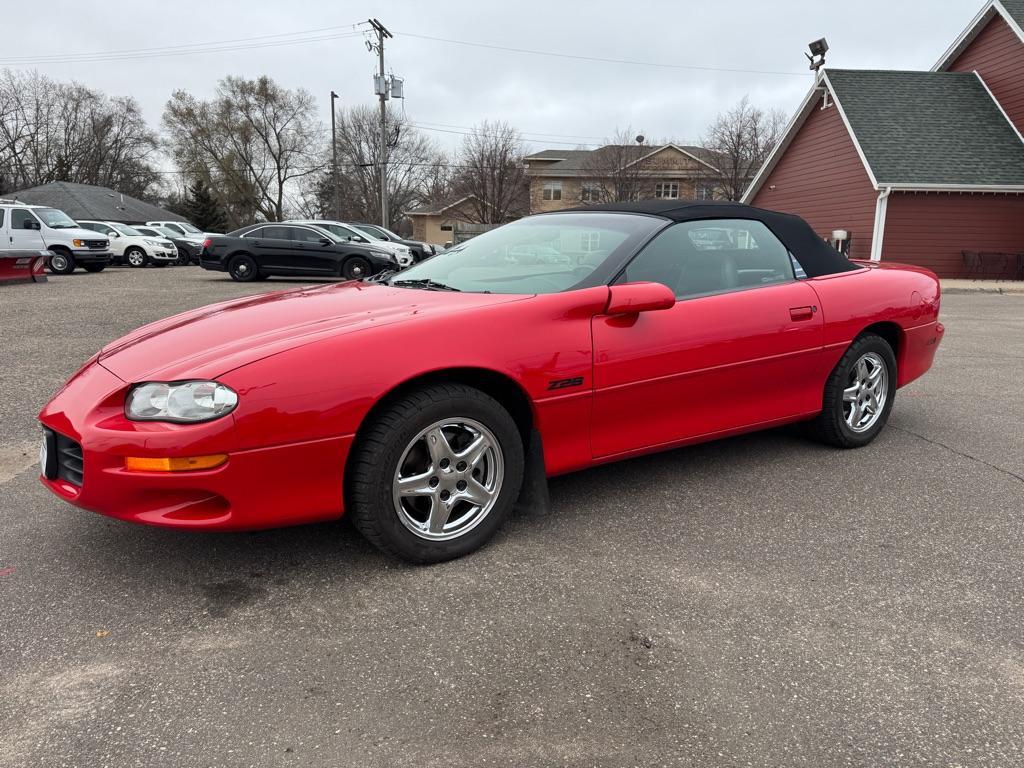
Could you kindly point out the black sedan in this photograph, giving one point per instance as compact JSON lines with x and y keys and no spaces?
{"x":261,"y":250}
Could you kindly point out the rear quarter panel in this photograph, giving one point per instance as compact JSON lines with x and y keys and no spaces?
{"x":906,"y":296}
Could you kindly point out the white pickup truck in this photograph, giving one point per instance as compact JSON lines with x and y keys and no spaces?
{"x":39,"y":227}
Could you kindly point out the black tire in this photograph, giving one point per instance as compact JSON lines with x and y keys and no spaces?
{"x":830,"y":426}
{"x":94,"y":267}
{"x":383,"y":442}
{"x":135,"y":257}
{"x":243,"y":269}
{"x":61,"y":262}
{"x":356,"y":268}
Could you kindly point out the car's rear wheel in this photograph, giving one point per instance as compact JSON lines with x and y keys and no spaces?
{"x":61,"y":262}
{"x":243,"y":269}
{"x":433,"y":477}
{"x":135,"y":257}
{"x":859,"y":394}
{"x":94,"y":267}
{"x":355,"y":268}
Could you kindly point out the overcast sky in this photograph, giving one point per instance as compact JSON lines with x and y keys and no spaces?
{"x":553,"y":101}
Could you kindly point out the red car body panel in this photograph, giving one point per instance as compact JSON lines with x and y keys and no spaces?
{"x":310,"y":364}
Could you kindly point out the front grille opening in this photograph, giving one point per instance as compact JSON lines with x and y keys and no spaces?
{"x":70,"y":464}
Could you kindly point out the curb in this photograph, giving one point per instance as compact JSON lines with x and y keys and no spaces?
{"x":1014,"y":291}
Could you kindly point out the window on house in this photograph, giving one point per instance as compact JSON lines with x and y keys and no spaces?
{"x":590,"y":241}
{"x":590,"y":192}
{"x":705,"y":191}
{"x":446,"y":227}
{"x":552,"y":190}
{"x":667,"y":189}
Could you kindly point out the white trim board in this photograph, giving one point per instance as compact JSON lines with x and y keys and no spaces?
{"x":988,"y":12}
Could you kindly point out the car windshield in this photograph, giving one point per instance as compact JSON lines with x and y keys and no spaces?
{"x":55,"y":219}
{"x":373,"y":232}
{"x":339,"y":230}
{"x":167,"y":232}
{"x":125,"y":230}
{"x":189,"y":228}
{"x":541,"y":254}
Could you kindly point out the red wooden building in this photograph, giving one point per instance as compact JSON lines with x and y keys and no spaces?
{"x":919,"y":167}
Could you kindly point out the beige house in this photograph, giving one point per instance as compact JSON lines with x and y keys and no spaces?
{"x":437,"y":223}
{"x":562,"y":179}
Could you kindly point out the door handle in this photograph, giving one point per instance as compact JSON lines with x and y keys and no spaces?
{"x":802,"y":313}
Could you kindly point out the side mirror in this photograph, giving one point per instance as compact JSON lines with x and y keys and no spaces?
{"x":360,"y":239}
{"x":631,"y":298}
{"x":325,"y":241}
{"x":30,"y":224}
{"x":114,"y":234}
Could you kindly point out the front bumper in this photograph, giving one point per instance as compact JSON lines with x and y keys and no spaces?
{"x":162,"y":254}
{"x":258,"y":487}
{"x":91,"y":256}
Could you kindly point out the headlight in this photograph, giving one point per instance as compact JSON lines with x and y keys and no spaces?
{"x":152,"y":242}
{"x":184,"y":401}
{"x":79,"y":243}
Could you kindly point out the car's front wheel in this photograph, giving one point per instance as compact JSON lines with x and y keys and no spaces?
{"x":355,"y":268}
{"x":433,"y":477}
{"x":859,"y":394}
{"x":136,"y":257}
{"x":60,"y":262}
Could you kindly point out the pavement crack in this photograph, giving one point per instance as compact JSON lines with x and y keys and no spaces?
{"x":989,"y":464}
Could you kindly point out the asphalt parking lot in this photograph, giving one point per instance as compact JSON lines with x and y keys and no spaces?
{"x":757,"y":601}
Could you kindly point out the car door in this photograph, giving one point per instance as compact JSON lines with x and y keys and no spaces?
{"x":312,"y":255}
{"x":24,"y":231}
{"x":742,"y":347}
{"x":272,"y":249}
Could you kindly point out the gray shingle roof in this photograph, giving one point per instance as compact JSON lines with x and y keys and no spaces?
{"x":84,"y":201}
{"x":1016,"y":10}
{"x":929,"y":128}
{"x":557,"y":154}
{"x":585,"y":162}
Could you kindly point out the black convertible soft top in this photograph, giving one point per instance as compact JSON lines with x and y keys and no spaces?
{"x":815,"y":255}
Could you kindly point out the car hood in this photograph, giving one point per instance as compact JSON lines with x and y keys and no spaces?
{"x":73,"y":233}
{"x":212,"y":340}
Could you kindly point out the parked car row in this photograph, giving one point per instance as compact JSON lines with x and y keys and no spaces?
{"x":302,"y":248}
{"x":307,"y":247}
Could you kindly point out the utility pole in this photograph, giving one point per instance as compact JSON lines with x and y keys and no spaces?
{"x":334,"y":161}
{"x":381,"y":87}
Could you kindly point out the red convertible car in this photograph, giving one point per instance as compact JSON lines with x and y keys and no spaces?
{"x":424,"y":403}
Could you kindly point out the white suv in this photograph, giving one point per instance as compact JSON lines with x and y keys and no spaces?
{"x":133,"y":248}
{"x":39,"y":227}
{"x":403,"y":256}
{"x":188,"y":231}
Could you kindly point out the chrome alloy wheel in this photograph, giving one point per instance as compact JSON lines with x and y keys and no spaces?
{"x":866,"y":392}
{"x":448,"y":479}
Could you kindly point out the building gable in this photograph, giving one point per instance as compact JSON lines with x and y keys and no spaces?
{"x":997,"y":55}
{"x":820,"y":176}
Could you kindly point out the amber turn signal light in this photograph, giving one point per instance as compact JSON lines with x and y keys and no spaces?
{"x":148,"y":464}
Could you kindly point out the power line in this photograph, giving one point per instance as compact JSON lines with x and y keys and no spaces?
{"x":245,"y":43}
{"x":631,"y":62}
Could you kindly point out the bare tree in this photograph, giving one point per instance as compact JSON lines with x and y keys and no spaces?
{"x":614,"y":173}
{"x":415,"y":165}
{"x":53,"y":131}
{"x":491,"y":170}
{"x":254,"y":142}
{"x":741,"y":140}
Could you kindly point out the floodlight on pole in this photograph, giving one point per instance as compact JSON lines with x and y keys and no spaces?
{"x":818,"y":49}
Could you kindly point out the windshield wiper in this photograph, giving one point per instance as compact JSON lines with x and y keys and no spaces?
{"x":425,"y":282}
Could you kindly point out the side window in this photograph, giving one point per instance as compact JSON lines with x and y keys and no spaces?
{"x":699,"y":258}
{"x":19,"y":216}
{"x":276,"y":233}
{"x":2,"y":212}
{"x":304,"y":235}
{"x":254,"y":233}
